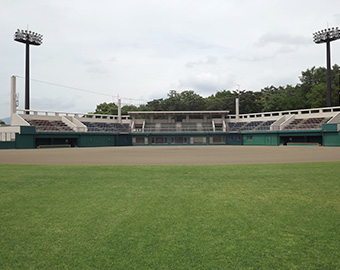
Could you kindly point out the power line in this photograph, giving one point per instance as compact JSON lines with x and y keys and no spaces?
{"x":82,"y":90}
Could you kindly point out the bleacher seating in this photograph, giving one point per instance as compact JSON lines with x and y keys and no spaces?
{"x":121,"y":127}
{"x":150,"y":127}
{"x":313,"y":123}
{"x":49,"y":126}
{"x":294,"y":124}
{"x":189,"y":127}
{"x":251,"y":126}
{"x":106,"y":127}
{"x":308,"y":123}
{"x":168,"y":127}
{"x":178,"y":127}
{"x":207,"y":127}
{"x":236,"y":126}
{"x":265,"y":125}
{"x":100,"y":126}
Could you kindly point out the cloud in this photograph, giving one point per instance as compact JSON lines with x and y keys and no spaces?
{"x":97,"y":69}
{"x":112,"y":59}
{"x":281,"y":39}
{"x":209,"y":60}
{"x":97,"y":66}
{"x":135,"y":48}
{"x":252,"y":58}
{"x":286,"y":49}
{"x":57,"y":103}
{"x":205,"y":83}
{"x":337,"y":18}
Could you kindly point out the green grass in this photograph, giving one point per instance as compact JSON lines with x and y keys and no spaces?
{"x":282,"y":216}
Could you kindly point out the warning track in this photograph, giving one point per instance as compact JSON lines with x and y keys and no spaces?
{"x":171,"y":155}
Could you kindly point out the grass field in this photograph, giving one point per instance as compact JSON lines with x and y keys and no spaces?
{"x":281,"y":216}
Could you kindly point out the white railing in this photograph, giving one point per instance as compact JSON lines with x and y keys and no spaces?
{"x":72,"y":114}
{"x":304,"y":113}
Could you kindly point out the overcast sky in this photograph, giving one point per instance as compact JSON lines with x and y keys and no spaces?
{"x":140,"y":50}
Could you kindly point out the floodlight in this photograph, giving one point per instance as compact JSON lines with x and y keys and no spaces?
{"x":28,"y":38}
{"x":326,"y":36}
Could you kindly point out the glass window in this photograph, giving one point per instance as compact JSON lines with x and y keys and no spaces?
{"x":159,"y":140}
{"x":178,"y":140}
{"x":198,"y":140}
{"x":140,"y":140}
{"x":217,"y":140}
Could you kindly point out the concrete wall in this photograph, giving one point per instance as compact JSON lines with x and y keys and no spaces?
{"x":8,"y":133}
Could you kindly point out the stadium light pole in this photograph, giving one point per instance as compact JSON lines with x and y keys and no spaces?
{"x":326,"y":36}
{"x":28,"y":38}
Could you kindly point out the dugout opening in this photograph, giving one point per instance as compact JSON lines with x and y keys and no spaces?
{"x":285,"y":140}
{"x":55,"y":142}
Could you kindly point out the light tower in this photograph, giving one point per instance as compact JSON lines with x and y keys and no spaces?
{"x":326,"y":36}
{"x":28,"y":38}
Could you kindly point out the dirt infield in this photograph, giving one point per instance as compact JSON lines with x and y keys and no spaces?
{"x":171,"y":155}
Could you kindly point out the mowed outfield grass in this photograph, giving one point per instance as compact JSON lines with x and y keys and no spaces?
{"x":278,"y":216}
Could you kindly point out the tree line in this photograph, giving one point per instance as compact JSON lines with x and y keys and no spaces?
{"x":310,"y":92}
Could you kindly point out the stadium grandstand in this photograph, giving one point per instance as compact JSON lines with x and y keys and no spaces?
{"x":34,"y":129}
{"x":37,"y":129}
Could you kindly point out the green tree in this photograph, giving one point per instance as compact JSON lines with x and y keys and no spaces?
{"x":184,"y":101}
{"x":313,"y":76}
{"x":294,"y":98}
{"x":154,"y":105}
{"x":222,"y":100}
{"x":317,"y":97}
{"x":2,"y":123}
{"x":335,"y":85}
{"x":313,"y":83}
{"x":250,"y":102}
{"x":107,"y":108}
{"x":129,"y":108}
{"x":270,"y":99}
{"x":190,"y":101}
{"x":310,"y":92}
{"x":173,"y":102}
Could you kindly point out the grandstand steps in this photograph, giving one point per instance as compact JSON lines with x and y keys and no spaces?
{"x":264,"y":125}
{"x":258,"y":127}
{"x":178,"y":127}
{"x":199,"y":127}
{"x":251,"y":126}
{"x":236,"y":126}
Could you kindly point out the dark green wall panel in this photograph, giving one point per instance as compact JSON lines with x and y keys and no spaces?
{"x":261,"y":139}
{"x":331,"y":139}
{"x":24,"y":141}
{"x":7,"y":145}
